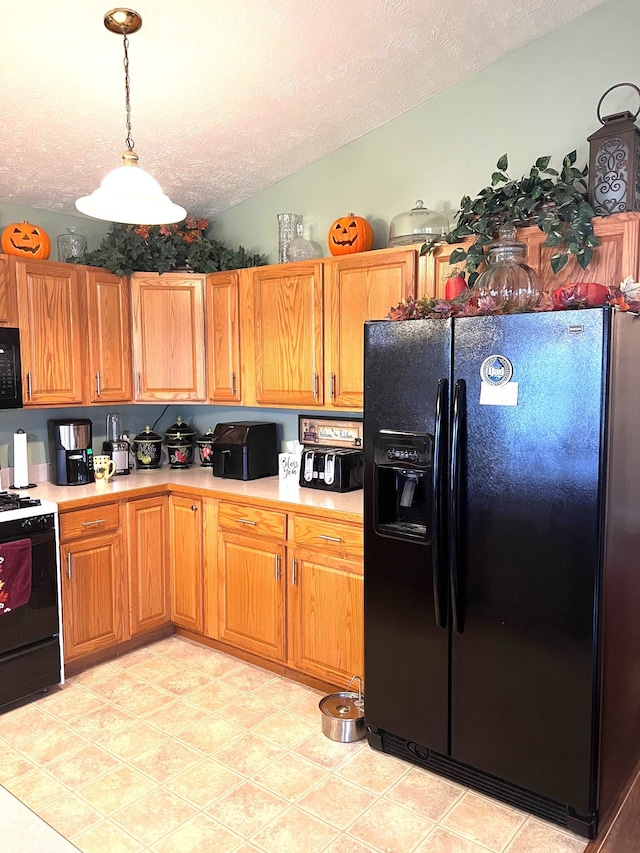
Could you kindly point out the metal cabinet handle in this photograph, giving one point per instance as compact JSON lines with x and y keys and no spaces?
{"x":92,"y":523}
{"x":29,"y":384}
{"x":69,"y":566}
{"x":98,"y":383}
{"x":315,"y":386}
{"x":194,"y":508}
{"x":233,"y":384}
{"x":330,"y":538}
{"x":333,"y":386}
{"x":137,"y":384}
{"x":277,"y":556}
{"x":294,"y":572}
{"x":246,"y":521}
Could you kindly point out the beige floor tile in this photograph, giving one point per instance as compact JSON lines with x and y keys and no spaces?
{"x":285,"y":729}
{"x":116,"y":686}
{"x":153,"y":816}
{"x":18,"y":727}
{"x":440,"y":840}
{"x":346,"y":844}
{"x":214,"y":695}
{"x":69,"y":815}
{"x":483,"y":821}
{"x":184,"y":681}
{"x":536,"y":836}
{"x":425,"y":793}
{"x":282,"y":693}
{"x":144,"y":700}
{"x":102,"y":722}
{"x":35,"y":788}
{"x":307,"y":707}
{"x":210,"y":734}
{"x":248,"y":712}
{"x":175,"y":716}
{"x":179,"y":648}
{"x":154,"y":667}
{"x":13,"y":765}
{"x":247,"y":809}
{"x":204,"y":782}
{"x":106,"y":837}
{"x":289,"y":776}
{"x":247,"y":754}
{"x":144,"y":653}
{"x":337,"y":801}
{"x":116,"y":789}
{"x":248,"y":678}
{"x":165,"y":760}
{"x":56,"y":743}
{"x":216,"y":664}
{"x":72,"y":702}
{"x":373,"y":770}
{"x":199,"y":834}
{"x":390,"y":828}
{"x":295,"y":831}
{"x":247,"y":847}
{"x":95,"y":674}
{"x":132,"y":740}
{"x":325,"y":752}
{"x":82,"y":766}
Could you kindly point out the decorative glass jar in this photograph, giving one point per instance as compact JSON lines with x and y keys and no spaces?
{"x":71,"y":244}
{"x":507,"y":279}
{"x":300,"y":249}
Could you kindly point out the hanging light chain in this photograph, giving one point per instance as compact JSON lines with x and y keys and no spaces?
{"x":127,"y":90}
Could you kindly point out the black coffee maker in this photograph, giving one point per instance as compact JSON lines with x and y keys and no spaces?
{"x":71,"y":452}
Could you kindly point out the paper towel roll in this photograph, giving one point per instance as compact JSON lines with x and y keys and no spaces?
{"x":20,"y":461}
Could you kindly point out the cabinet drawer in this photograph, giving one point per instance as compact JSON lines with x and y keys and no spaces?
{"x":250,"y":519}
{"x":89,"y":522}
{"x":326,"y":534}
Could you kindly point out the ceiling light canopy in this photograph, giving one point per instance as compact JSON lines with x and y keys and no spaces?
{"x":129,"y":194}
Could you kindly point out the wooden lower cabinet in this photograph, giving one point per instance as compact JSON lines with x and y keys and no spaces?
{"x":186,"y":561}
{"x":251,"y":606}
{"x":148,"y":563}
{"x":93,"y":580}
{"x":326,"y":616}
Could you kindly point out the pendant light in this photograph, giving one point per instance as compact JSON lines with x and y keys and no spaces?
{"x":128,"y":194}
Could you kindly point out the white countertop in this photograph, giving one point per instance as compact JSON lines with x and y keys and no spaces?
{"x":202,"y":480}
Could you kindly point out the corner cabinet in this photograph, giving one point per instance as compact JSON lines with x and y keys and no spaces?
{"x":168,"y":337}
{"x":109,"y":333}
{"x":288,"y":334}
{"x":223,"y":337}
{"x":148,"y":563}
{"x":186,"y":526}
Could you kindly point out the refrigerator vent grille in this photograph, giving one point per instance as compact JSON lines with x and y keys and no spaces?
{"x":515,"y":796}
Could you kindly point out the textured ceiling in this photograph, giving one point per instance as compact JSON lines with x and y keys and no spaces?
{"x":228,"y":98}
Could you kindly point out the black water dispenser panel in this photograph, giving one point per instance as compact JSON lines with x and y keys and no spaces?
{"x":403,"y":465}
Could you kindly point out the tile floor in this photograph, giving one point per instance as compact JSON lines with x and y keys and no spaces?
{"x":176,"y":748}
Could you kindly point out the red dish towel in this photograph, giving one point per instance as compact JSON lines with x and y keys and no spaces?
{"x":15,"y":574}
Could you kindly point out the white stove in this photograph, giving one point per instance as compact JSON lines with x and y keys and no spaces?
{"x":15,"y":506}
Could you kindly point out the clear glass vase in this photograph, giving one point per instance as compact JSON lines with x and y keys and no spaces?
{"x":71,"y":244}
{"x":300,"y":249}
{"x":287,"y":229}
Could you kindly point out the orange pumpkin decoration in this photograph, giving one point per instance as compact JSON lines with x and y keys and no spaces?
{"x":350,"y":234}
{"x":25,"y":240}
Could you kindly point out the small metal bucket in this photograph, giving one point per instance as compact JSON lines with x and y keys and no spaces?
{"x":343,"y":714}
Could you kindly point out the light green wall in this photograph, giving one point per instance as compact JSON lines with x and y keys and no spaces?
{"x":54,"y":223}
{"x":539,"y":100}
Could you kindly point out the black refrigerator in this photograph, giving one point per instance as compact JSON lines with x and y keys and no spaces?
{"x":502,"y":554}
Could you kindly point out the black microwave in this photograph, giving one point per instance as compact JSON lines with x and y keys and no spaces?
{"x":10,"y":369}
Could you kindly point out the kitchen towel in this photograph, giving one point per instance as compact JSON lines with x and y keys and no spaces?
{"x":20,"y":460}
{"x":15,"y":574}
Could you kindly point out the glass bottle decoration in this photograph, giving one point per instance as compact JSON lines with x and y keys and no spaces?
{"x":300,"y":249}
{"x":71,"y":244}
{"x":287,"y":225}
{"x":507,"y":279}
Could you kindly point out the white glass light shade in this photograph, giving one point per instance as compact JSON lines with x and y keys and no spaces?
{"x":130,"y":195}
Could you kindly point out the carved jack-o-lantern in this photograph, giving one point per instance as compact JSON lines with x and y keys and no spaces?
{"x":350,"y":234}
{"x":26,"y":240}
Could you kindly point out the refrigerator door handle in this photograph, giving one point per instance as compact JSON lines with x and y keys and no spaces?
{"x":459,"y":408}
{"x":439,"y":442}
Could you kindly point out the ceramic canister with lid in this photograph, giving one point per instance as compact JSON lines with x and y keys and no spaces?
{"x":205,"y":446}
{"x":185,"y":430}
{"x":148,"y":447}
{"x":180,"y":450}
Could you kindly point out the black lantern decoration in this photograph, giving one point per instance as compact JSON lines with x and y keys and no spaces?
{"x":614,"y":161}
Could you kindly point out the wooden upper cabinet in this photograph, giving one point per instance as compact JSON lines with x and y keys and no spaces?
{"x":109,"y":331}
{"x":8,"y":304}
{"x":52,"y":316}
{"x":358,"y":288}
{"x":168,"y":336}
{"x":288,"y":331}
{"x":223,"y":337}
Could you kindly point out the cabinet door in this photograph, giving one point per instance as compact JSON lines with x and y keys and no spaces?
{"x":52,"y":331}
{"x":185,"y":567}
{"x":148,"y":564}
{"x":8,"y":307}
{"x":326,"y":616}
{"x":359,"y":288}
{"x":288,"y":334}
{"x":168,"y":336}
{"x":109,"y":322}
{"x":92,"y":596}
{"x":251,"y":587}
{"x":223,"y":337}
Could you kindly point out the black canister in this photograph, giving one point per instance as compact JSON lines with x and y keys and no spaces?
{"x":205,"y":447}
{"x":148,"y":447}
{"x":184,"y":430}
{"x":180,"y":451}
